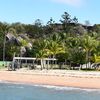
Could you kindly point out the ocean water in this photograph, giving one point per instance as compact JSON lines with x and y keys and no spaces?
{"x":9,"y":91}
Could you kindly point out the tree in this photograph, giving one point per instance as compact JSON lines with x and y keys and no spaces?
{"x":77,"y":30}
{"x":96,"y":28}
{"x":18,"y":27}
{"x":75,"y":52}
{"x":40,"y":50}
{"x":10,"y":50}
{"x":5,"y":30}
{"x":38,"y":23}
{"x":66,"y":20}
{"x":75,"y":20}
{"x":1,"y":40}
{"x":49,"y":28}
{"x":55,"y":48}
{"x":89,"y":44}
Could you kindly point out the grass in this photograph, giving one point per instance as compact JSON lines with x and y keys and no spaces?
{"x":2,"y":66}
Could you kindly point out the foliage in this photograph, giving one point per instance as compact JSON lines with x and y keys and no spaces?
{"x":67,"y":41}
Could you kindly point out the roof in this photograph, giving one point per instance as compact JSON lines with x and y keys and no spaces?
{"x":30,"y":58}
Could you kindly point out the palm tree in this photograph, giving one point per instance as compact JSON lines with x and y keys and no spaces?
{"x":5,"y":30}
{"x":89,"y":44}
{"x":40,"y":49}
{"x":55,"y":48}
{"x":74,"y":50}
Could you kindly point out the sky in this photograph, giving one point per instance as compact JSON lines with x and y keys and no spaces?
{"x":27,"y":11}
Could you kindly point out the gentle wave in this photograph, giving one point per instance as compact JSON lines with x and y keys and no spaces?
{"x":2,"y":81}
{"x":50,"y":87}
{"x":67,"y":88}
{"x":20,"y":87}
{"x":11,"y":86}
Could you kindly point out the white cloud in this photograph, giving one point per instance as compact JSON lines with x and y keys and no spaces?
{"x":70,"y":2}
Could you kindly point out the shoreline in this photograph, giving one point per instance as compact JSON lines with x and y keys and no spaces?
{"x":57,"y":87}
{"x":75,"y":79}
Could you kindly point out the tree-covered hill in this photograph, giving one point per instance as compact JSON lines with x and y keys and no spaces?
{"x":67,"y":40}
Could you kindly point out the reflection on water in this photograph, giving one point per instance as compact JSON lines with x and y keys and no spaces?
{"x":10,"y":91}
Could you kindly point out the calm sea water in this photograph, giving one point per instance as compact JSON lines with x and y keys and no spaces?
{"x":10,"y":91}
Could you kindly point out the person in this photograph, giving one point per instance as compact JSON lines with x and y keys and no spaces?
{"x":15,"y":65}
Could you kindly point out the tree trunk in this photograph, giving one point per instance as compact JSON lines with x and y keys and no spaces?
{"x":41,"y":64}
{"x":87,"y":59}
{"x":44,"y":64}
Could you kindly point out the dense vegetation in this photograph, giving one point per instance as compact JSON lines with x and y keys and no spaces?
{"x":68,"y":41}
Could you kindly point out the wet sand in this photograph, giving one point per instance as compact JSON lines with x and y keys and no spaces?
{"x":53,"y":77}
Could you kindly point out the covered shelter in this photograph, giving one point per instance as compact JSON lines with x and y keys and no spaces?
{"x":33,"y":63}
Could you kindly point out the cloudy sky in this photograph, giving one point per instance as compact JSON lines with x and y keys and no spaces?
{"x":27,"y":11}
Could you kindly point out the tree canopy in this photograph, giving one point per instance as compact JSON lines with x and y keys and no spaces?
{"x":68,"y":40}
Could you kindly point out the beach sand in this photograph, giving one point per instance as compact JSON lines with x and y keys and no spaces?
{"x":65,"y":78}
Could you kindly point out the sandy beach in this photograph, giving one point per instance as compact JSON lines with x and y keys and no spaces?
{"x":53,"y":77}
